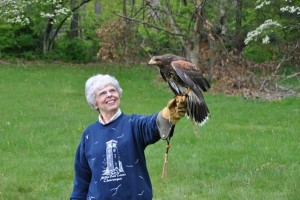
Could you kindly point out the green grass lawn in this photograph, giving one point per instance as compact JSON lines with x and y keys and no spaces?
{"x":249,"y":149}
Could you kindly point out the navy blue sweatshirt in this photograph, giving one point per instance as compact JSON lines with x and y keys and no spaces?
{"x":110,"y":161}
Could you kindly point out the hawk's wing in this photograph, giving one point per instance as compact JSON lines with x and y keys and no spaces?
{"x":191,"y":77}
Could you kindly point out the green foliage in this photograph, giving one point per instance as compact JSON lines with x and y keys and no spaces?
{"x":73,"y":50}
{"x":7,"y":35}
{"x":19,"y":41}
{"x":249,"y":149}
{"x":284,"y":17}
{"x":257,"y":53}
{"x":143,"y":38}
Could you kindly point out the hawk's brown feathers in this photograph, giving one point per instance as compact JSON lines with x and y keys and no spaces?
{"x":185,"y":78}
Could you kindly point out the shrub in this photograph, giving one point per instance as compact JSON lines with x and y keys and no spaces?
{"x":18,"y":41}
{"x":73,"y":50}
{"x":7,"y":36}
{"x":257,"y":53}
{"x":113,"y":44}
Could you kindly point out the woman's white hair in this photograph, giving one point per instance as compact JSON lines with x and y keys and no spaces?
{"x":96,"y":83}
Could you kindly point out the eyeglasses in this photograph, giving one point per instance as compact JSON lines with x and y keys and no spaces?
{"x":108,"y":92}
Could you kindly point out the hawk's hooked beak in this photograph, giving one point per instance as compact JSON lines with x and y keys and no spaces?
{"x":152,"y":62}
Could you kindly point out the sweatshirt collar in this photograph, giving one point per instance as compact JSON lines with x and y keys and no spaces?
{"x":112,"y":119}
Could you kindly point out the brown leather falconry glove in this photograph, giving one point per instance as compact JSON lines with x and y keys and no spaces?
{"x":176,"y":109}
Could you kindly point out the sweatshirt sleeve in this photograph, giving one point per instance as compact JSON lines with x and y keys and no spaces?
{"x":146,"y":127}
{"x":82,"y":173}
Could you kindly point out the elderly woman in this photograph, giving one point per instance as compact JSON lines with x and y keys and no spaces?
{"x":110,"y":161}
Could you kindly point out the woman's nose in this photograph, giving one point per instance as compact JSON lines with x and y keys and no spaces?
{"x":108,"y":94}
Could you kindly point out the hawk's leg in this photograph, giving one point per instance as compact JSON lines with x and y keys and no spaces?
{"x":187,"y":90}
{"x":185,"y":93}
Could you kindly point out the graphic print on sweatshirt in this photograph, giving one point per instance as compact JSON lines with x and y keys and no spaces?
{"x":113,"y":171}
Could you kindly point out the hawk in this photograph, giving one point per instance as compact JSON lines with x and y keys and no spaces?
{"x":185,"y":78}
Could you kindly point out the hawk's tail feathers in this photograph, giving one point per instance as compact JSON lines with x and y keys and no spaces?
{"x":197,"y":109}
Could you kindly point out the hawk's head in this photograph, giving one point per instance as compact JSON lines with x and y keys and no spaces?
{"x":163,"y":60}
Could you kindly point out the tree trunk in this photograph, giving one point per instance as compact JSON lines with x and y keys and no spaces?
{"x":222,"y":25}
{"x":238,"y":25}
{"x":97,"y":7}
{"x":192,"y":43}
{"x":47,"y":36}
{"x":125,"y":37}
{"x":74,"y":28}
{"x":50,"y":35}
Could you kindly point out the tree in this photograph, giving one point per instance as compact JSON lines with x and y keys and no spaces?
{"x":45,"y":17}
{"x":181,"y":19}
{"x":238,"y":25}
{"x":283,"y":21}
{"x":74,"y":27}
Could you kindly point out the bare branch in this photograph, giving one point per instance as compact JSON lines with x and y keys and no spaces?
{"x":291,"y":76}
{"x":3,"y":63}
{"x":150,"y":25}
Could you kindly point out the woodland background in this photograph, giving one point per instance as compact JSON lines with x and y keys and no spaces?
{"x":249,"y":149}
{"x":243,"y":46}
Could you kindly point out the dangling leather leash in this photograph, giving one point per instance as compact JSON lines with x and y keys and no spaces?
{"x":165,"y":165}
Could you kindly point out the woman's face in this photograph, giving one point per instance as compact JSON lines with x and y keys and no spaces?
{"x":108,"y":99}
